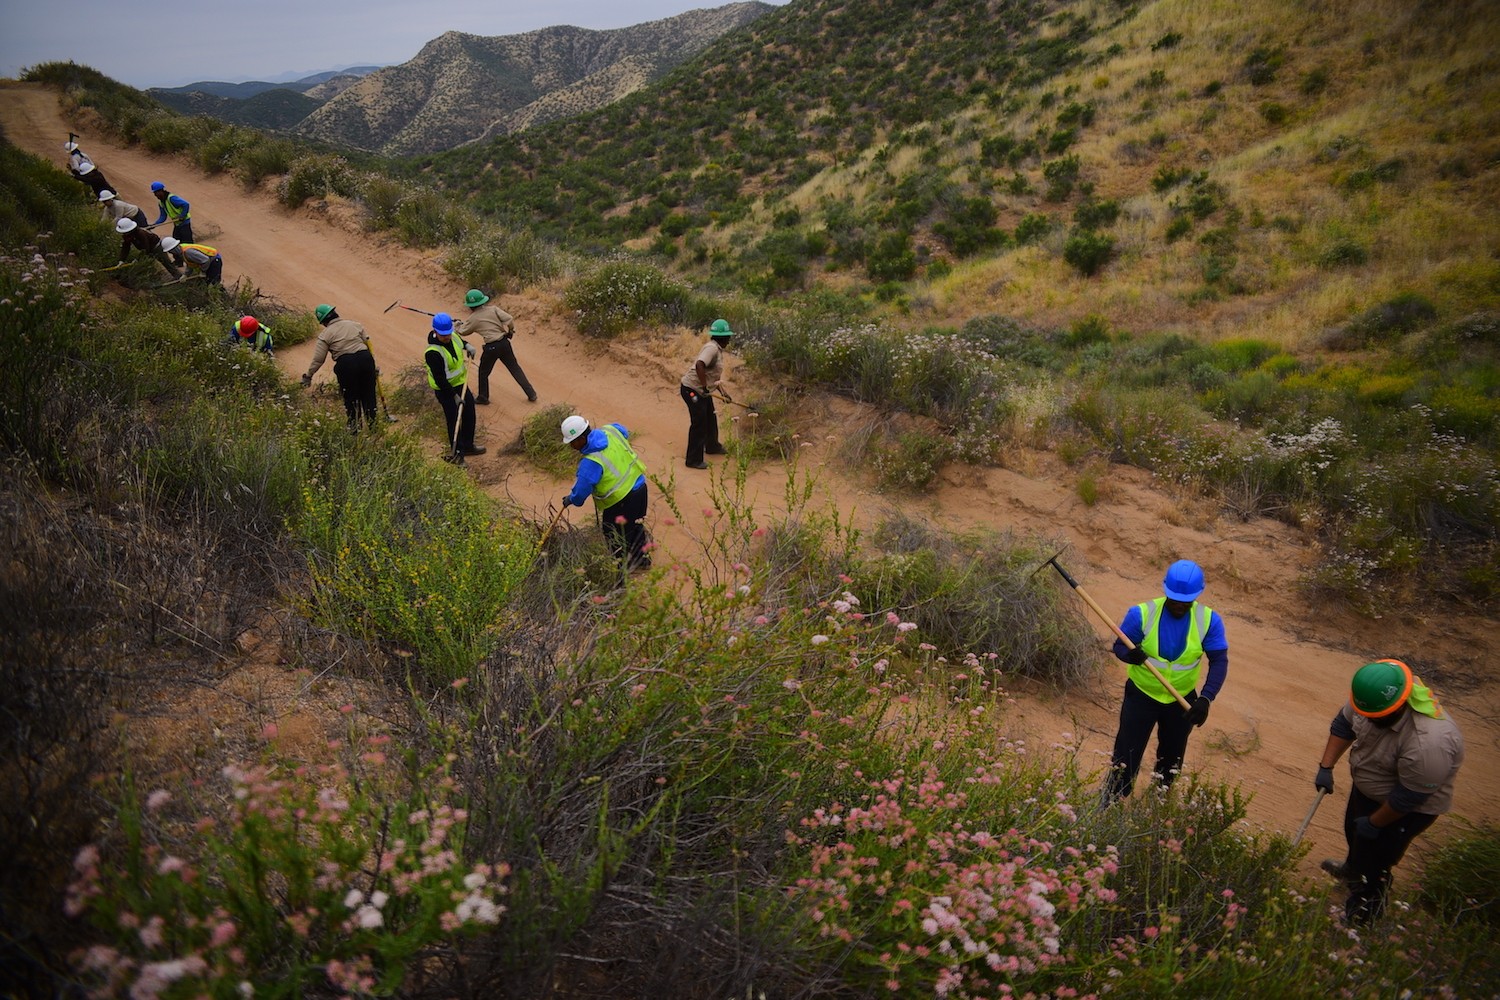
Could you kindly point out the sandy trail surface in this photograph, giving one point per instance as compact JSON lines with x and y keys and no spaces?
{"x":1290,"y":662}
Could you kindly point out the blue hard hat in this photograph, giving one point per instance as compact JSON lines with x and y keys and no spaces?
{"x":158,"y":186}
{"x":1184,"y":581}
{"x":442,"y":324}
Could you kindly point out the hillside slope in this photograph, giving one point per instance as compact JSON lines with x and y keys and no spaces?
{"x":1263,"y":169}
{"x":460,"y":86}
{"x":1290,"y":661}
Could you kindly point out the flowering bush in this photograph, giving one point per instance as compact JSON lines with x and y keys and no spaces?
{"x":318,"y":877}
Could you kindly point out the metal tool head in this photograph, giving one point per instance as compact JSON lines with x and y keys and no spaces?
{"x":391,"y":306}
{"x":1051,"y":561}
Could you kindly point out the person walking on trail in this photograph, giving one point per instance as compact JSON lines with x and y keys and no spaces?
{"x":252,"y":333}
{"x":697,"y":389}
{"x":176,"y":209}
{"x":1177,"y":633}
{"x":147,"y":242}
{"x":448,"y":374}
{"x":1406,"y":752}
{"x":353,"y":364}
{"x":117,"y":208}
{"x":196,"y":257}
{"x":611,"y":471}
{"x":496,"y":326}
{"x":83,"y":168}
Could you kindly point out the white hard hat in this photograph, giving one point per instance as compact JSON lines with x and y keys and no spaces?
{"x":170,"y":243}
{"x":124,"y":225}
{"x":573,"y":427}
{"x":106,"y":195}
{"x":70,"y":145}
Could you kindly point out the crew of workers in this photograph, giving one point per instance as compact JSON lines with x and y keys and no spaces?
{"x":1405,"y":751}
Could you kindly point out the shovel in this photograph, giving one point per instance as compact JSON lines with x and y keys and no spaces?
{"x":1177,"y":695}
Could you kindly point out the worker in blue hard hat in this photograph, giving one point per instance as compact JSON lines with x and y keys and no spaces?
{"x":448,"y":375}
{"x":1176,"y":633}
{"x":176,"y":209}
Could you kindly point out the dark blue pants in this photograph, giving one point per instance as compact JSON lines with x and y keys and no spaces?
{"x":1367,"y":870}
{"x":501,"y":351}
{"x":624,"y":530}
{"x":356,"y":377}
{"x":1139,"y":715}
{"x":703,"y":426}
{"x":447,"y":398}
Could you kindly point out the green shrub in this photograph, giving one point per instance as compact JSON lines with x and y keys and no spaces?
{"x":315,"y":177}
{"x":915,"y":461}
{"x":504,"y":260}
{"x":621,"y":294}
{"x":1088,"y":252}
{"x":1096,"y":214}
{"x":541,"y":440}
{"x":381,"y":198}
{"x":1343,"y":252}
{"x":1032,"y":227}
{"x":1262,"y":65}
{"x":1091,"y":329}
{"x":892,"y":258}
{"x":1275,"y":113}
{"x":266,"y":158}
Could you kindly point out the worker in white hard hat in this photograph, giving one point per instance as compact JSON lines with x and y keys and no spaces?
{"x":611,"y":472}
{"x":83,"y":168}
{"x":147,"y":242}
{"x":196,"y":257}
{"x":117,"y":208}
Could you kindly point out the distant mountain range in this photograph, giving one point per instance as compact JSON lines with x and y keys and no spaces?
{"x":259,"y":103}
{"x":463,"y":87}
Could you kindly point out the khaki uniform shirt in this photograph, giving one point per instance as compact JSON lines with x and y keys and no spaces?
{"x":489,"y":321}
{"x":341,"y":337}
{"x":121,"y":209}
{"x":1420,"y":752}
{"x":713,"y":366}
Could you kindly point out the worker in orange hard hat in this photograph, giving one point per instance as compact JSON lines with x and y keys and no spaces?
{"x":254,"y":334}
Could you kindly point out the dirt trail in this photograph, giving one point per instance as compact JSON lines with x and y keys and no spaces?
{"x":1289,"y":663}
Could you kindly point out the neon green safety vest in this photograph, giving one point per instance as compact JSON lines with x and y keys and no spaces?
{"x":173,"y":212}
{"x":621,"y":468}
{"x":202,"y":248}
{"x":1182,"y":673}
{"x":260,"y":337}
{"x":453,"y":364}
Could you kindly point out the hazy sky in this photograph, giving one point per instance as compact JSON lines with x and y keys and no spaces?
{"x":170,"y":44}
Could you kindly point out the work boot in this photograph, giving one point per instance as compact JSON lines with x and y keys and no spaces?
{"x":482,"y":401}
{"x":472,"y":449}
{"x":1335,"y":868}
{"x":531,"y":398}
{"x":717,"y":449}
{"x":697,"y":465}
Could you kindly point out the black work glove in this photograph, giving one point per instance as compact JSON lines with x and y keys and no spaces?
{"x":1135,"y":656}
{"x":568,"y":500}
{"x":1324,"y":781}
{"x":1365,"y":829}
{"x":1197,"y":712}
{"x":306,"y":381}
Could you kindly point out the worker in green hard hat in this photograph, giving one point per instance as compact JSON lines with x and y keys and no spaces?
{"x":353,"y":364}
{"x":1406,"y":753}
{"x":697,"y":388}
{"x":496,"y":327}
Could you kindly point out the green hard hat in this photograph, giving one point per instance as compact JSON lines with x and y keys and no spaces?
{"x":1380,"y":688}
{"x":475,"y":298}
{"x":322,"y":311}
{"x":720,"y":328}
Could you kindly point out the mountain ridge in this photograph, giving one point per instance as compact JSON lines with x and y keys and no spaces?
{"x":461,"y":87}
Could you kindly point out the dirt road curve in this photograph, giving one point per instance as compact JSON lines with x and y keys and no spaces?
{"x":1289,"y":663}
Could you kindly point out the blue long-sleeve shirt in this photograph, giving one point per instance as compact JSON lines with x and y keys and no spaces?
{"x":1171,"y":640}
{"x":176,"y":203}
{"x":589,"y":473}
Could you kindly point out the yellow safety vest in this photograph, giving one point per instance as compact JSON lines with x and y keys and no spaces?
{"x":453,"y":364}
{"x":202,"y":248}
{"x":1182,"y":673}
{"x":622,"y":467}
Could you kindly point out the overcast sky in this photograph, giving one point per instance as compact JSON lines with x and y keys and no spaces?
{"x":171,"y":44}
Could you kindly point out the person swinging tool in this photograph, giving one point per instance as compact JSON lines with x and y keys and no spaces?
{"x":610,"y":471}
{"x":448,"y":375}
{"x":697,"y":388}
{"x":196,"y":257}
{"x":496,"y":327}
{"x":83,"y":168}
{"x":1179,"y":640}
{"x":176,"y":209}
{"x":146,"y":242}
{"x":1406,"y":754}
